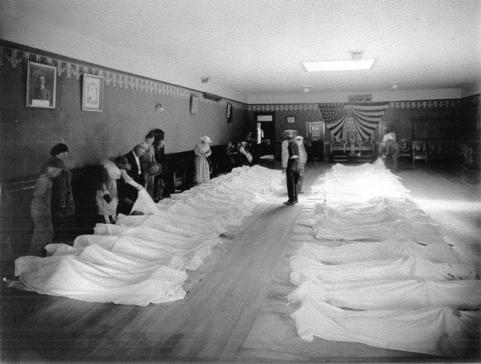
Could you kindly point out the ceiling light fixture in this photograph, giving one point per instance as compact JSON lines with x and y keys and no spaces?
{"x":355,"y":63}
{"x":306,"y":89}
{"x":394,"y":85}
{"x":205,"y":79}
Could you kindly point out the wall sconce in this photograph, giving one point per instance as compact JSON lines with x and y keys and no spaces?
{"x":159,"y":107}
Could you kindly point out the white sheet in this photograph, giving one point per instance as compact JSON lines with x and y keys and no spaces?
{"x":143,"y":259}
{"x":375,"y":219}
{"x":375,"y":250}
{"x":392,"y":280}
{"x":406,"y":294}
{"x":401,"y":268}
{"x":433,"y":330}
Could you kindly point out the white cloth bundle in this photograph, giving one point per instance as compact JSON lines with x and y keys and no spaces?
{"x":378,"y":220}
{"x":402,"y":268}
{"x":384,"y":294}
{"x":432,"y":330}
{"x":389,"y":249}
{"x":348,"y":184}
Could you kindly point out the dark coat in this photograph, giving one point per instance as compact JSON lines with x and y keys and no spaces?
{"x":293,"y":150}
{"x":134,"y":170}
{"x":63,"y":204}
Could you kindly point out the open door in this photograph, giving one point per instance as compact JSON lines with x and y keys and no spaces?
{"x":315,"y":132}
{"x":266,"y":133}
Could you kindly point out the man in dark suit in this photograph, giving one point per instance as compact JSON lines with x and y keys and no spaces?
{"x":127,"y":193}
{"x":290,"y":165}
{"x":133,"y":157}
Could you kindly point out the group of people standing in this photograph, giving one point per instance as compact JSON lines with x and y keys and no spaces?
{"x":117,"y":186}
{"x":143,"y":167}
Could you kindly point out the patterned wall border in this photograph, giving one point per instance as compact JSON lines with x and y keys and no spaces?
{"x":422,"y":104}
{"x":284,"y":107}
{"x":15,"y":56}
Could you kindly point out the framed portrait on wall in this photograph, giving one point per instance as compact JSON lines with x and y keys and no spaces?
{"x":92,"y":92}
{"x":228,"y":112}
{"x":41,"y":85}
{"x":194,"y":104}
{"x":291,"y":120}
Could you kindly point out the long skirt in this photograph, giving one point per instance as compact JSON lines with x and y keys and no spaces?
{"x":42,"y":231}
{"x":202,"y":170}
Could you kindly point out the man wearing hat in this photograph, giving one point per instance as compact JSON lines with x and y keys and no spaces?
{"x":290,"y":165}
{"x":63,"y":205}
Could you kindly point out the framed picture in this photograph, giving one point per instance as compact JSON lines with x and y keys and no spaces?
{"x":194,"y":104}
{"x":41,"y":85}
{"x":228,"y":112}
{"x":92,"y":93}
{"x":291,"y":120}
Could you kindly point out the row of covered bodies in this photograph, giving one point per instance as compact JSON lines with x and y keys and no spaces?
{"x":143,"y":259}
{"x":381,"y":273}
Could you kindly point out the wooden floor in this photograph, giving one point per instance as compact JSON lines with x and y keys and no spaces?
{"x":236,"y":308}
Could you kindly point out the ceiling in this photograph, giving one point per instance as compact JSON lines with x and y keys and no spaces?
{"x":256,"y":46}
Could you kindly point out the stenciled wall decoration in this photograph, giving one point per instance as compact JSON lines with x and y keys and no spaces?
{"x":421,"y":104}
{"x":65,"y":68}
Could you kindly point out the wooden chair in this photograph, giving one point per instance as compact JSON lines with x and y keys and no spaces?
{"x":419,"y":151}
{"x":405,"y":148}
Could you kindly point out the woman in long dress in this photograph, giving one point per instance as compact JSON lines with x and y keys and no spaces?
{"x":41,"y":207}
{"x":202,"y":152}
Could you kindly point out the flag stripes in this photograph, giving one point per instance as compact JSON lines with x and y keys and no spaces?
{"x":366,"y":117}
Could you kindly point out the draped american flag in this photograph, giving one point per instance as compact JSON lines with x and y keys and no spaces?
{"x":334,"y":116}
{"x":366,"y":117}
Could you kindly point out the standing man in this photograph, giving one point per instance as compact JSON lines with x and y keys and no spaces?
{"x":290,"y":165}
{"x":63,"y":205}
{"x":161,"y":179}
{"x":149,"y":164}
{"x":302,"y":161}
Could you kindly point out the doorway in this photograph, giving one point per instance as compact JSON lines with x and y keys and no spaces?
{"x":315,"y":131}
{"x":266,"y":133}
